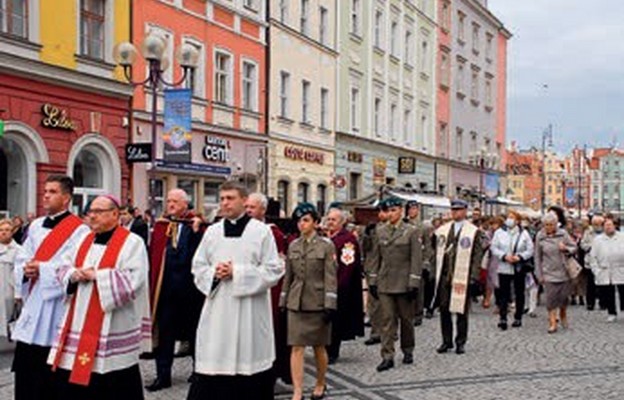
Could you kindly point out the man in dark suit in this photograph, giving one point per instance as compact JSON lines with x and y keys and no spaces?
{"x":134,"y":225}
{"x":176,"y":302}
{"x":458,"y":259}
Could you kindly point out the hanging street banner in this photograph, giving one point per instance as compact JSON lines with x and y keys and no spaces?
{"x":177,"y":132}
{"x":570,"y":197}
{"x":491,"y":186}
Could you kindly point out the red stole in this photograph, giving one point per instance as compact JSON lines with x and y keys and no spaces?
{"x":92,"y":327}
{"x":55,"y":240}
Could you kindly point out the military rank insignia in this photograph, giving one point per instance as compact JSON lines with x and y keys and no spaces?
{"x":347,"y":255}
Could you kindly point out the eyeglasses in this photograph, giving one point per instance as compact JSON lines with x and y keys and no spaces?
{"x":98,"y":211}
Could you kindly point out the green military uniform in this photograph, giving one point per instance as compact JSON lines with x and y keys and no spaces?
{"x":309,"y":290}
{"x":427,"y":254}
{"x":395,"y":271}
{"x":372,"y":305}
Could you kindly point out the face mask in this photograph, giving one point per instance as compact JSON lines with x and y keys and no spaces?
{"x":510,"y":222}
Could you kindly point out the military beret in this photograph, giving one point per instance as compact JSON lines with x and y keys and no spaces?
{"x":394,"y":202}
{"x":335,"y":204}
{"x":458,"y":204}
{"x":304,"y":209}
{"x":412,"y":203}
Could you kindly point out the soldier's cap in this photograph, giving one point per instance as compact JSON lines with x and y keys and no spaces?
{"x":393,"y":202}
{"x":459,"y":204}
{"x":412,"y":203}
{"x":303,"y":209}
{"x":335,"y":204}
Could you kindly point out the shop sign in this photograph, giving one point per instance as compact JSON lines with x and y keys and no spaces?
{"x":216,"y":150}
{"x":56,"y":118}
{"x":138,"y":152}
{"x":190,"y":167}
{"x":177,"y":131}
{"x":301,"y":154}
{"x":354,"y":157}
{"x":407,"y":165}
{"x":379,"y":171}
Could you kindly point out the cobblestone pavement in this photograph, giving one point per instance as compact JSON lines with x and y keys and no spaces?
{"x":583,"y":362}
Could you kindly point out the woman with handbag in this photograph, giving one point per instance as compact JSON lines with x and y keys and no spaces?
{"x":606,"y":260}
{"x":553,"y":257}
{"x":513,"y":249}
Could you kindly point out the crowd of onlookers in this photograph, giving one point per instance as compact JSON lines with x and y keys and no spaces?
{"x":557,"y":259}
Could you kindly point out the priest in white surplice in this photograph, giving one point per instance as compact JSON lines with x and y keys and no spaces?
{"x":235,"y":266}
{"x":107,"y":320}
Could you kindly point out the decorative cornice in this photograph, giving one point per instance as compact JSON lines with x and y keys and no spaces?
{"x":37,"y":70}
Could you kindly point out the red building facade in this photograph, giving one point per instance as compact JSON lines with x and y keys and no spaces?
{"x":228,"y":105}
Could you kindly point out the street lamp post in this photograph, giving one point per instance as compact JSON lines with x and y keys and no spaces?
{"x":483,"y":159}
{"x":153,"y":51}
{"x":547,"y":137}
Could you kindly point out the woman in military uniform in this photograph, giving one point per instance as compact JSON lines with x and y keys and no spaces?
{"x":309,"y":294}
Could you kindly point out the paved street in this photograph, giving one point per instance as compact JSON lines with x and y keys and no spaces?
{"x":584,"y":362}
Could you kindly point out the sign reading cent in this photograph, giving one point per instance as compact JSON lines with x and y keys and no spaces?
{"x":298,"y":153}
{"x":56,"y":118}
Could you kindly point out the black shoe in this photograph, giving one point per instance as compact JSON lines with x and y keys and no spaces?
{"x":332,"y":360}
{"x":573,"y":302}
{"x":147,"y":356}
{"x":429,"y":314}
{"x":372,"y":341}
{"x":158,"y":384}
{"x":418,"y":322}
{"x":444,"y":348}
{"x":385,"y":365}
{"x":460,"y":349}
{"x":502,"y":325}
{"x":516,"y":324}
{"x":191,"y":378}
{"x":319,"y":396}
{"x":408,"y":358}
{"x":590,"y":308}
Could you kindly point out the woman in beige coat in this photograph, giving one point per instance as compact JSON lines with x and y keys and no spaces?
{"x":309,"y":294}
{"x":553,"y":246}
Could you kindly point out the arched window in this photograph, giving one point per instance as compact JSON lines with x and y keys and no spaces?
{"x":303,"y":191}
{"x":283,"y":193}
{"x":321,"y":198}
{"x":88,"y":170}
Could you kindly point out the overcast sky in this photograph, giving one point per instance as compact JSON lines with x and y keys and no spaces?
{"x":576,"y":48}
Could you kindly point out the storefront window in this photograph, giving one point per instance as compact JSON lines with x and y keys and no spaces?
{"x":321,"y":198}
{"x":88,"y":170}
{"x":190,"y":187}
{"x":354,"y":185}
{"x":303,"y":189}
{"x":283,"y":194}
{"x":211,"y":197}
{"x":157,"y":192}
{"x":88,"y":178}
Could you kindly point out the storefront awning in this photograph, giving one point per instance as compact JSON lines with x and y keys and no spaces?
{"x":504,"y":201}
{"x":429,"y":200}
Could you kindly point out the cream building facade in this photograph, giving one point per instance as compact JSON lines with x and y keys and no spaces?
{"x":302,"y":90}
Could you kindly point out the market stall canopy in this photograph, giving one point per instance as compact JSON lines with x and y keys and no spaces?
{"x":424,"y":199}
{"x":504,"y":201}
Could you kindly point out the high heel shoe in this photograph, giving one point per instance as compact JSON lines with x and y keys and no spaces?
{"x":319,"y":396}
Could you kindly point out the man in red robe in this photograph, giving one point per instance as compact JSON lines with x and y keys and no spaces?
{"x":349,"y":319}
{"x":256,"y":206}
{"x":175,"y":301}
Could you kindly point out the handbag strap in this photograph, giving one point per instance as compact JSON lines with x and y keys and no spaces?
{"x":515,"y":248}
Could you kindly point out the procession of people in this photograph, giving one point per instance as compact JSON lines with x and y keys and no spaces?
{"x":85,"y":299}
